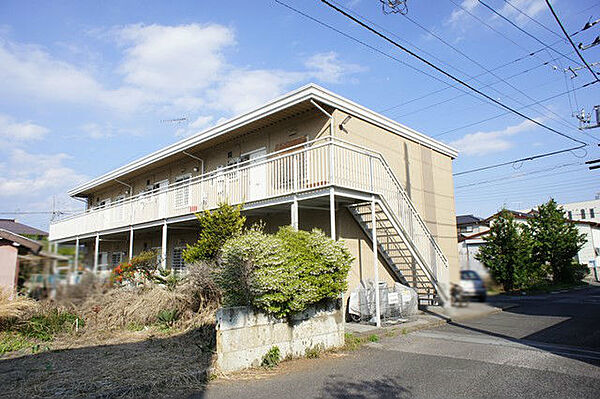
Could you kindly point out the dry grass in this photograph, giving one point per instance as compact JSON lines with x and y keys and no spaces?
{"x":15,"y":306}
{"x":122,"y":350}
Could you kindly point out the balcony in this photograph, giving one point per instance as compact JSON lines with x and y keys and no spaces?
{"x":308,"y":167}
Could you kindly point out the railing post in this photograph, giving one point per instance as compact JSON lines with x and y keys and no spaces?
{"x":296,"y":183}
{"x":375,"y":262}
{"x":371,"y":172}
{"x":331,"y":163}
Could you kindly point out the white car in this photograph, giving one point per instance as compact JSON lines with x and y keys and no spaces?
{"x":472,"y":285}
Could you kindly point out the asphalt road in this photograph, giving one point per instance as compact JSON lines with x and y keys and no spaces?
{"x":547,"y":347}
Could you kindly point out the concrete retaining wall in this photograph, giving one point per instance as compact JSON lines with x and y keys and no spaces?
{"x":244,"y":336}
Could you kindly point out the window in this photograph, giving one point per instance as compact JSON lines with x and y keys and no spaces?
{"x":182,"y":194}
{"x":102,"y":260}
{"x":583,"y":213}
{"x":592,"y":216}
{"x":116,"y":258}
{"x":177,"y":262}
{"x":570,"y":214}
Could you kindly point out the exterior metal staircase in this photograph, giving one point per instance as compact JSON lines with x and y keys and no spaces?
{"x":394,"y":249}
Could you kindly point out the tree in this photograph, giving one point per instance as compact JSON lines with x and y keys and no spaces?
{"x":556,"y":241}
{"x":505,"y":253}
{"x":215,"y":229}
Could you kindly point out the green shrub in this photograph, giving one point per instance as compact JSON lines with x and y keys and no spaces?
{"x":45,"y":325}
{"x":215,"y":229}
{"x":373,"y":338}
{"x":314,"y":352}
{"x":271,"y":358}
{"x":168,"y":317}
{"x":12,"y":341}
{"x":241,"y":256}
{"x":284,"y":273}
{"x":352,"y":342}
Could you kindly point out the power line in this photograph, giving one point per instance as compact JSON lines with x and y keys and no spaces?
{"x":504,"y":179}
{"x":570,"y":40}
{"x":527,"y":33}
{"x":488,"y":71}
{"x":533,"y":19}
{"x":517,"y":161}
{"x":449,"y":75}
{"x":506,"y":113}
{"x":375,"y":49}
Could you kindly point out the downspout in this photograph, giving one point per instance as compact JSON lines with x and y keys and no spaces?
{"x":126,"y":185}
{"x":197,"y":159}
{"x":330,"y":116}
{"x":331,"y":131}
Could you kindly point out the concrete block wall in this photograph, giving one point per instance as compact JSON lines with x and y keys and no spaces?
{"x":244,"y":335}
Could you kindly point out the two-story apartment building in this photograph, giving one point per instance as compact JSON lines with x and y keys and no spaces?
{"x":310,"y":158}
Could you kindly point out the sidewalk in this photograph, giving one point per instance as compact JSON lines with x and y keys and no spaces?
{"x":433,"y":316}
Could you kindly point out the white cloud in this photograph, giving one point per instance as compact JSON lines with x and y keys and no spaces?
{"x":458,"y":15}
{"x":529,"y":7}
{"x":327,"y":67}
{"x":196,"y":126}
{"x":483,"y":143}
{"x":20,"y":131}
{"x":33,"y":175}
{"x":163,"y":69}
{"x":244,"y":89}
{"x":30,"y":72}
{"x":174,"y":58}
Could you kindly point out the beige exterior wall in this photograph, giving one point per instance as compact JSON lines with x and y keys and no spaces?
{"x":9,"y":267}
{"x":425,"y":174}
{"x":311,"y":125}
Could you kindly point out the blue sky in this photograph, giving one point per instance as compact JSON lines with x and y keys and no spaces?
{"x":84,"y":86}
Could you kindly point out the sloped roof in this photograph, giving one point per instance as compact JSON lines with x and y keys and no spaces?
{"x":293,"y":98}
{"x":467,"y":219}
{"x":19,"y":228}
{"x":21,"y":241}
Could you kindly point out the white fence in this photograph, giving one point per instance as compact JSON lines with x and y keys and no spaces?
{"x":317,"y":164}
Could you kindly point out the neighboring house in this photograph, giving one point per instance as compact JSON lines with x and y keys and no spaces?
{"x":468,"y":225}
{"x":22,"y":229}
{"x":584,"y":210}
{"x":589,"y":254}
{"x":310,"y":158}
{"x":12,"y":246}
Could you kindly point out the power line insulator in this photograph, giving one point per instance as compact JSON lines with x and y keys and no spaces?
{"x":394,"y":6}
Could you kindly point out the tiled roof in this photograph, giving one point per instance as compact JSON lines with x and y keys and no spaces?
{"x":467,"y":219}
{"x":19,"y":228}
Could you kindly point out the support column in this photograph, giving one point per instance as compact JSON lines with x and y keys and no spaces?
{"x":332,"y":212}
{"x":163,"y":248}
{"x":76,"y":260}
{"x":54,"y":261}
{"x":96,"y":251}
{"x":375,"y":263}
{"x":294,"y":213}
{"x":130,"y":243}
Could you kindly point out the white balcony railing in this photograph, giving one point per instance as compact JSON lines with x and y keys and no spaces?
{"x":309,"y":166}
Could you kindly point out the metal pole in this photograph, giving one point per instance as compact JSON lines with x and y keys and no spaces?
{"x":375,"y":263}
{"x":332,"y":212}
{"x":130,"y":243}
{"x":163,"y":249}
{"x":96,"y":250}
{"x":76,"y":260}
{"x":294,"y":212}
